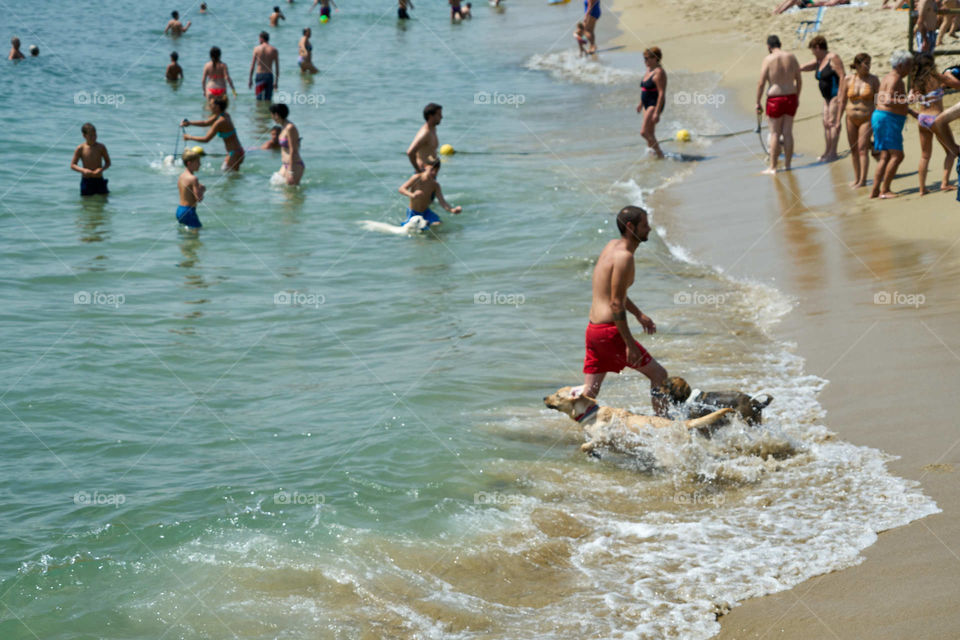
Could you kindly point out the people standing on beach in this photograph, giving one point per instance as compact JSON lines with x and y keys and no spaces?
{"x":174,"y":70}
{"x":887,"y":122}
{"x":291,"y":164}
{"x":781,"y":71}
{"x":610,"y":347}
{"x":653,"y":90}
{"x":927,"y":87}
{"x":949,"y":22}
{"x":220,"y":125}
{"x":829,"y":72}
{"x":174,"y":27}
{"x":191,"y":191}
{"x":858,"y":100}
{"x":216,"y":76}
{"x":15,"y":53}
{"x":580,"y":35}
{"x":305,"y":50}
{"x":423,"y":150}
{"x":90,"y":160}
{"x":265,"y":59}
{"x":925,"y":29}
{"x":807,"y":4}
{"x":402,"y":9}
{"x":276,"y":17}
{"x":422,"y":188}
{"x":591,"y":13}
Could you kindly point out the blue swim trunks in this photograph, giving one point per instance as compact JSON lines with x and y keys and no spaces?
{"x":427,"y":215}
{"x":887,"y":130}
{"x":93,"y":186}
{"x":188,"y":216}
{"x":263,"y":86}
{"x":596,"y":8}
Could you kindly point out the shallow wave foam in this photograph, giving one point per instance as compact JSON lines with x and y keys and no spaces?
{"x":570,"y":67}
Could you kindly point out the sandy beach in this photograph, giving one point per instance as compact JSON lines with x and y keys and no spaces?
{"x":875,"y":289}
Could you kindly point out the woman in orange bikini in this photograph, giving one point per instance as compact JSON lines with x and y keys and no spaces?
{"x":858,"y":100}
{"x":926,"y":86}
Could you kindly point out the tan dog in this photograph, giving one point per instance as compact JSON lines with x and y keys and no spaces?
{"x":596,"y":420}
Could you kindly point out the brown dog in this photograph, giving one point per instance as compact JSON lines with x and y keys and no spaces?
{"x":677,"y":392}
{"x":597,"y":420}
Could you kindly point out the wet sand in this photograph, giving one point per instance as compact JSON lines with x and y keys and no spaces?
{"x":893,"y":367}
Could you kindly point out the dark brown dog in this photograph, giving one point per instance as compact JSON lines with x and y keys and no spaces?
{"x":677,"y":392}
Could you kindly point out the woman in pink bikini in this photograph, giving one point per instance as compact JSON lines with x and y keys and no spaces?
{"x":926,"y":87}
{"x":292,"y":166}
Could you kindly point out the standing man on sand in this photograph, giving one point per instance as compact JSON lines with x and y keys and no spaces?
{"x":423,"y":150}
{"x":265,"y":59}
{"x":781,"y":70}
{"x":610,"y":345}
{"x":887,"y":121}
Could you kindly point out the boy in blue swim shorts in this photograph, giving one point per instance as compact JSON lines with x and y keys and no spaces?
{"x":191,"y":191}
{"x":422,"y":188}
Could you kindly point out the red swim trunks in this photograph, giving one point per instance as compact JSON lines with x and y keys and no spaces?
{"x":779,"y":106}
{"x":606,"y":350}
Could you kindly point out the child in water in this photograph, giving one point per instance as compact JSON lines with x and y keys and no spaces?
{"x":422,"y":188}
{"x":580,"y":35}
{"x":191,"y":191}
{"x":95,"y":160}
{"x":174,"y":70}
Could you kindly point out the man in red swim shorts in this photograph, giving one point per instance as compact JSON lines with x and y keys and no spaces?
{"x":610,"y":345}
{"x":781,"y":70}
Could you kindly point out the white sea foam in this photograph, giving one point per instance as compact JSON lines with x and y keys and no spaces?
{"x":569,"y":66}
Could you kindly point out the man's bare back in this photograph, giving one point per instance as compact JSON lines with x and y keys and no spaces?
{"x":264,"y":56}
{"x":781,"y":70}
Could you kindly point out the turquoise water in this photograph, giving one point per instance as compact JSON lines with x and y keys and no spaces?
{"x":187,"y":455}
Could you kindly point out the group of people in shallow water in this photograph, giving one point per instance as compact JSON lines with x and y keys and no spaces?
{"x":873,"y":107}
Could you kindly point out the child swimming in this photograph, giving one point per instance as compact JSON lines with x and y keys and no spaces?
{"x":95,"y":161}
{"x":422,"y":188}
{"x":191,"y":191}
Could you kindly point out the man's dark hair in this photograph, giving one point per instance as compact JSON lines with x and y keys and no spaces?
{"x":430,"y":109}
{"x":627,"y":215}
{"x":280,"y":109}
{"x":435,"y":163}
{"x":174,"y":56}
{"x":773,"y":42}
{"x":175,"y":15}
{"x":265,"y":36}
{"x":87,"y":128}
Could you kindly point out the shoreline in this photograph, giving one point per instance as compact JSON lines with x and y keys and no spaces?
{"x":833,"y":250}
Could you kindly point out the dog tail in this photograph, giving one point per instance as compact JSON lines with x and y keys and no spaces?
{"x":761,"y":400}
{"x":707,"y":420}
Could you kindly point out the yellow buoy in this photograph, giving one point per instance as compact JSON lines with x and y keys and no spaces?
{"x":683,"y":135}
{"x":447,"y":150}
{"x":198,"y":150}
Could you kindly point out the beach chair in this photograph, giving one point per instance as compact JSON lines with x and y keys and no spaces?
{"x":807,"y":27}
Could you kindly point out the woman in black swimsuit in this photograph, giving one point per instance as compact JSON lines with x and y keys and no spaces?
{"x":653,"y":88}
{"x":829,"y":72}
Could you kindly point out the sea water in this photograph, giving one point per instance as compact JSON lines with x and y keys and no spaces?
{"x":289,"y":426}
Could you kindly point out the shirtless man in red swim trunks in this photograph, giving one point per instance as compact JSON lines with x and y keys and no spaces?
{"x":610,"y":345}
{"x":781,"y":70}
